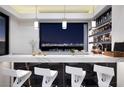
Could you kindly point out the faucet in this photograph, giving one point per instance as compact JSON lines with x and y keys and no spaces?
{"x":99,"y":44}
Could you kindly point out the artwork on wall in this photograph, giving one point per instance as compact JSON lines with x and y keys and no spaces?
{"x":52,"y":36}
{"x":4,"y":34}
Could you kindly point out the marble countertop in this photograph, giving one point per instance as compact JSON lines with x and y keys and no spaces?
{"x":61,"y":58}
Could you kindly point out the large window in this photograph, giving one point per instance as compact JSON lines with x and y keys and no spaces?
{"x":52,"y":36}
{"x":4,"y":27}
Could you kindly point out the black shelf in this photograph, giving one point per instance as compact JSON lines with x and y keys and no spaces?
{"x":103,"y":42}
{"x":100,"y":33}
{"x":104,"y":18}
{"x":104,"y":23}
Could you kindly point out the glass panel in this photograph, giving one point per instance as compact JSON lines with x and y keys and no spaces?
{"x":2,"y":35}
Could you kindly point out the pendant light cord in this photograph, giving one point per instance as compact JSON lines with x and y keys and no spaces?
{"x":64,"y":12}
{"x":93,"y":12}
{"x":36,"y":12}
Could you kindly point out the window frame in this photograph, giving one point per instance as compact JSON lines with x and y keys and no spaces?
{"x":40,"y":41}
{"x":6,"y":33}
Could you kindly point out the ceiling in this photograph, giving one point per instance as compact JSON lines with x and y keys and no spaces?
{"x":29,"y":9}
{"x":52,"y":12}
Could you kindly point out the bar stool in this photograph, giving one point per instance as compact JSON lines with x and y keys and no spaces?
{"x":48,"y":75}
{"x":77,"y":75}
{"x":104,"y":75}
{"x":21,"y":75}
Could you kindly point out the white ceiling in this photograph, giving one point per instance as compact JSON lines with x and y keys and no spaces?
{"x":24,"y":9}
{"x":52,"y":12}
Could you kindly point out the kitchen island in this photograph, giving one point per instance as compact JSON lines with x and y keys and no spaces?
{"x":58,"y":62}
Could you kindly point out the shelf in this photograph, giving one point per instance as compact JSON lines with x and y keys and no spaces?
{"x":105,"y":23}
{"x":104,"y":42}
{"x":100,"y":33}
{"x":92,"y":28}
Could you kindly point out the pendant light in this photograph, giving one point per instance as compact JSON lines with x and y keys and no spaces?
{"x":93,"y":22}
{"x":64,"y":22}
{"x":36,"y":23}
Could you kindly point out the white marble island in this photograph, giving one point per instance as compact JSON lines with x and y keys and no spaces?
{"x":9,"y":60}
{"x":61,"y":58}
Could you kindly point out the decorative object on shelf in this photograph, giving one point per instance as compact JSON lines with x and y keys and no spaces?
{"x":33,"y":43}
{"x":72,"y":51}
{"x":96,"y":50}
{"x":36,"y":23}
{"x":41,"y":53}
{"x":100,"y":46}
{"x":64,"y":22}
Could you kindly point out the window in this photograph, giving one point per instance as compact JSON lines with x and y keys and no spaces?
{"x":53,"y":37}
{"x":4,"y":28}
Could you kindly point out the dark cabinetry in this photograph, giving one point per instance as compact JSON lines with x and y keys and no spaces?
{"x":63,"y":79}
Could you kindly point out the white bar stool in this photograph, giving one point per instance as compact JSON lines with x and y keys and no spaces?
{"x":104,"y":75}
{"x":77,"y":75}
{"x":48,"y":75}
{"x":21,"y":75}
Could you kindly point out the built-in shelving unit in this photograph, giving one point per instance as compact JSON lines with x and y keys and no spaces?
{"x":102,"y":32}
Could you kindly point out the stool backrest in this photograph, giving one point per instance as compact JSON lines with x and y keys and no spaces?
{"x":74,"y":70}
{"x":42,"y":71}
{"x":104,"y":70}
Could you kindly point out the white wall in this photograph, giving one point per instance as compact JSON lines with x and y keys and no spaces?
{"x":12,"y":36}
{"x":21,"y":34}
{"x":118,"y":36}
{"x":4,"y":80}
{"x":117,"y":24}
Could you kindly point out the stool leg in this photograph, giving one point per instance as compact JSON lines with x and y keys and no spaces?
{"x":20,"y":81}
{"x":29,"y":81}
{"x":46,"y":81}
